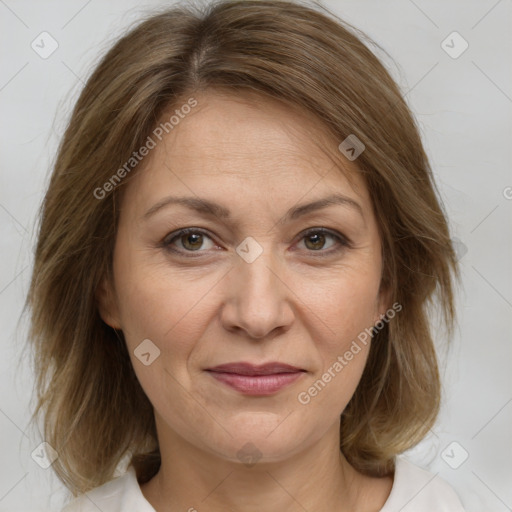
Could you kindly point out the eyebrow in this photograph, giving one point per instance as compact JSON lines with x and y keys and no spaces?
{"x":213,"y":209}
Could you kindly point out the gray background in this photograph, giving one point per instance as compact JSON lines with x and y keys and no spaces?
{"x":463,"y":106}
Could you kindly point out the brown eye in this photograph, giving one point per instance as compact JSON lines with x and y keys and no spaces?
{"x":187,"y":240}
{"x":192,"y":241}
{"x":315,"y":241}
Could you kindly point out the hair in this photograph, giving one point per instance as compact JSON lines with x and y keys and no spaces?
{"x":95,"y":411}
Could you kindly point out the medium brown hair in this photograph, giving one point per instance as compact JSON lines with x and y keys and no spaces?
{"x":95,"y":411}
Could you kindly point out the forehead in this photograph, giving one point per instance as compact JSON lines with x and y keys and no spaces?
{"x":229,"y":139}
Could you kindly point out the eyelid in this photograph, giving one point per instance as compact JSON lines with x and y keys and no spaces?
{"x":326,"y":231}
{"x":343,"y":241}
{"x":166,"y":242}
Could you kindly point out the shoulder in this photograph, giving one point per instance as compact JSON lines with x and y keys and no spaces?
{"x":122,"y":494}
{"x":417,"y":490}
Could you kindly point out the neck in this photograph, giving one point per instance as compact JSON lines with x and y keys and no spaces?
{"x":317,"y":478}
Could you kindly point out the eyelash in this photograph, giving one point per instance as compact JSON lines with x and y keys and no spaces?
{"x":343,"y":242}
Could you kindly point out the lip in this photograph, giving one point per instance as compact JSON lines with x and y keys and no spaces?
{"x":249,"y":379}
{"x":243,"y":368}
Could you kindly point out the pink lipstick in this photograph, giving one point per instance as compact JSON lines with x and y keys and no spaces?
{"x":258,"y":380}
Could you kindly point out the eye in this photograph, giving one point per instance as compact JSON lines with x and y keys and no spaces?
{"x":190,"y":239}
{"x":315,"y":240}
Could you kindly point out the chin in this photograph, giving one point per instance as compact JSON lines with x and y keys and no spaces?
{"x":252,"y":441}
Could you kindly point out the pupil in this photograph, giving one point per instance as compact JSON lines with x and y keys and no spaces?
{"x":320,"y":240}
{"x":192,"y":236}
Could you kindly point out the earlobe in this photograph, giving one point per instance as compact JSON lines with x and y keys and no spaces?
{"x":107,"y":305}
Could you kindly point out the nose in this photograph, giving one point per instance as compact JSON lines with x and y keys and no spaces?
{"x":258,"y":298}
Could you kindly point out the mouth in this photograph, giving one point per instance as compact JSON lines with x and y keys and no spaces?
{"x":250,"y":379}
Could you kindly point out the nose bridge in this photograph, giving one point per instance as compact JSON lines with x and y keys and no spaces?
{"x":258,"y":267}
{"x":259,"y":297}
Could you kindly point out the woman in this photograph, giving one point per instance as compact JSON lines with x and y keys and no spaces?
{"x":237,"y":252}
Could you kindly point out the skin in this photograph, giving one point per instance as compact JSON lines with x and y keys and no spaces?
{"x":257,"y":158}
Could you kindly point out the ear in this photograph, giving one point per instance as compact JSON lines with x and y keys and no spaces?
{"x":383,"y":303}
{"x":107,"y":304}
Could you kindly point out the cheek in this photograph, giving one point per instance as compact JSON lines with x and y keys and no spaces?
{"x":344,"y":306}
{"x":159,"y":303}
{"x":330,"y":389}
{"x":168,"y":316}
{"x":150,"y":309}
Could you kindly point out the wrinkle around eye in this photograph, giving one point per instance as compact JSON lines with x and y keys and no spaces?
{"x":340,"y":241}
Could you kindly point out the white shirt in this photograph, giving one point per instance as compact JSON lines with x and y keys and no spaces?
{"x":414,"y":490}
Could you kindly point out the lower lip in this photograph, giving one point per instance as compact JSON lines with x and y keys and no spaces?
{"x":257,"y":384}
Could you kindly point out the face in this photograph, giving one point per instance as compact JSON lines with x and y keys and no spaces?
{"x":259,"y":279}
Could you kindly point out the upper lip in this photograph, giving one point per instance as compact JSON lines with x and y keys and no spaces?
{"x":243,"y":368}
